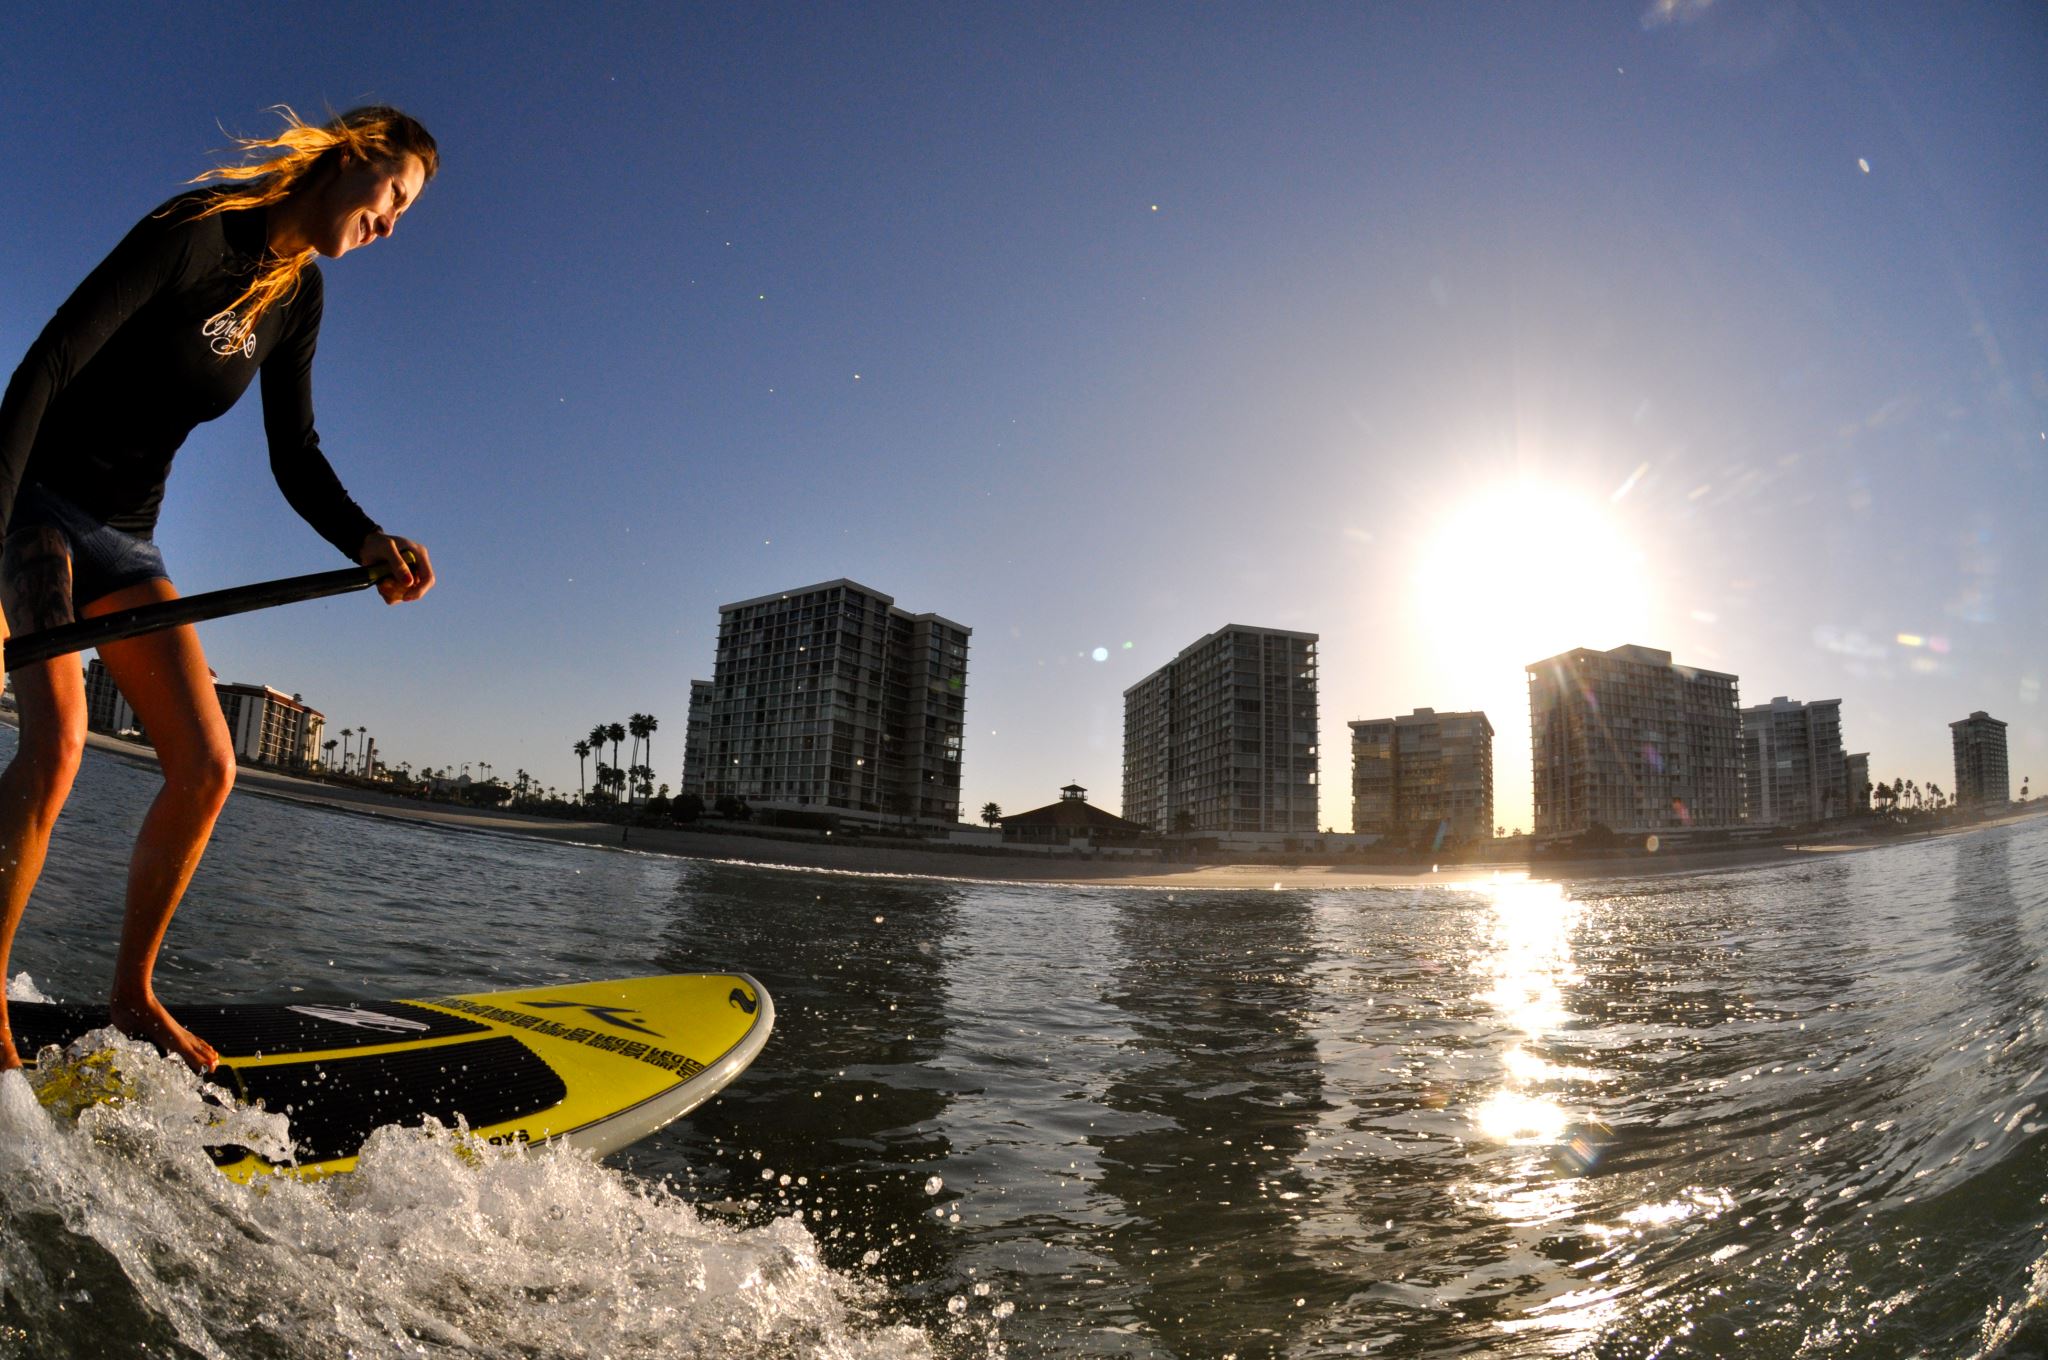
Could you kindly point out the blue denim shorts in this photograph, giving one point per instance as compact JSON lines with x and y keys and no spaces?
{"x":103,"y":559}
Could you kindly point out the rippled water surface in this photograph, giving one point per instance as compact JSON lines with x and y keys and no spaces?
{"x":1792,"y":1111}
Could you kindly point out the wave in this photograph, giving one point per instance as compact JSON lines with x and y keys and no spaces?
{"x":115,"y":1228}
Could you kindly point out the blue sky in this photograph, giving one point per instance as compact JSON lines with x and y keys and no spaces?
{"x":1446,"y":332}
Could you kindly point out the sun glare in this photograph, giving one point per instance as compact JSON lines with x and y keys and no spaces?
{"x":1524,"y":572}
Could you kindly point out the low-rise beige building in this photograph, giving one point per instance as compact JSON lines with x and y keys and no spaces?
{"x":1424,"y":779}
{"x":270,"y":727}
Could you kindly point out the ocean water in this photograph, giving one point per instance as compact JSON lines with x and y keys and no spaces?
{"x":1787,"y":1111}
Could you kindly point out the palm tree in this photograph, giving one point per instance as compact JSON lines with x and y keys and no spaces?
{"x":329,"y":745}
{"x":599,"y":735}
{"x":616,"y":733}
{"x":346,"y":733}
{"x":991,"y":813}
{"x":582,"y":749}
{"x":643,"y":779}
{"x":643,"y":728}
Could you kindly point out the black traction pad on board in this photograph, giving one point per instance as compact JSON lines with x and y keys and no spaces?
{"x":251,"y":1031}
{"x":334,"y":1103}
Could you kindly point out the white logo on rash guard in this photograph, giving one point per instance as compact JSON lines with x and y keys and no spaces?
{"x":219,"y":331}
{"x":349,"y":1015}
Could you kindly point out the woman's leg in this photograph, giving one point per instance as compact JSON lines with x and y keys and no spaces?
{"x":35,"y":589}
{"x":165,"y":680}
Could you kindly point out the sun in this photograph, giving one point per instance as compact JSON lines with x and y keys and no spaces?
{"x":1525,"y":571}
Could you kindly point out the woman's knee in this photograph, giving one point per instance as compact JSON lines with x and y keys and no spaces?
{"x":47,"y":760}
{"x":205,"y":773}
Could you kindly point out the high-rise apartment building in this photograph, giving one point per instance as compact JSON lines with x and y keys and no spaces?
{"x":1626,"y":740}
{"x":829,"y":698}
{"x":1426,"y":778}
{"x":1982,"y":778}
{"x":1794,"y":769}
{"x":696,"y":740}
{"x":1223,"y":737}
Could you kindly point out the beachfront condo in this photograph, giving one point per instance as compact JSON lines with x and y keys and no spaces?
{"x":696,"y":740}
{"x":1982,"y":780}
{"x":1857,"y":764}
{"x":830,"y":699}
{"x":1222,"y":739}
{"x":270,"y":727}
{"x":1425,"y":779}
{"x":1794,"y":769}
{"x":1628,"y":741}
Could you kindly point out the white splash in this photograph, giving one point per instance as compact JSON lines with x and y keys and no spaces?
{"x":116,"y":1221}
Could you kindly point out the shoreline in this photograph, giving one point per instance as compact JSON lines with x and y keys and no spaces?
{"x":994,"y":867}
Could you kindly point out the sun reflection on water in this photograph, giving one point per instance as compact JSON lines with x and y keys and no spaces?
{"x":1527,"y":967}
{"x":1532,"y":1148}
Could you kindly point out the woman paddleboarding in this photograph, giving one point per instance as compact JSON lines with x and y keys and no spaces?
{"x":212,"y":290}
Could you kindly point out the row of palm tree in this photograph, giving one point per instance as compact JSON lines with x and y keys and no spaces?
{"x":1894,"y":796}
{"x":366,"y":757}
{"x":614,"y":778}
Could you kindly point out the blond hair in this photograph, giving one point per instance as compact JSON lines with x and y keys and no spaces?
{"x":376,"y":133}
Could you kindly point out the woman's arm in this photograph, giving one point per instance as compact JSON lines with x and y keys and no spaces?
{"x":302,"y":470}
{"x":149,"y":258}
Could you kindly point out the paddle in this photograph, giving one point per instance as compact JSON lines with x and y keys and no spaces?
{"x":76,"y":637}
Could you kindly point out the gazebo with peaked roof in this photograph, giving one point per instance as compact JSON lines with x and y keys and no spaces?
{"x":1071,"y":818}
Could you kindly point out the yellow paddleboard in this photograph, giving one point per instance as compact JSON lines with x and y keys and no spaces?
{"x":597,"y":1064}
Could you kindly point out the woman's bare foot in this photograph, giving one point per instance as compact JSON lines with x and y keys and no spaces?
{"x":146,"y":1018}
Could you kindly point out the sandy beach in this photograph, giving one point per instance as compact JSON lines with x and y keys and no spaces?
{"x":987,"y":865}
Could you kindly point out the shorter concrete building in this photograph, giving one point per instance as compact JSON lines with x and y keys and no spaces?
{"x":1793,"y":768}
{"x":1069,"y":820}
{"x":1423,"y":779}
{"x":1982,"y":775}
{"x":270,"y":727}
{"x":1858,"y":768}
{"x":106,"y":708}
{"x":265,"y":725}
{"x":696,"y":740}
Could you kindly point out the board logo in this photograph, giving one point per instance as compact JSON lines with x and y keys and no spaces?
{"x":741,"y":998}
{"x":361,"y":1019}
{"x":610,"y":1015}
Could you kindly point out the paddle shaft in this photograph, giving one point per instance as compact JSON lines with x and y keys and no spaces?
{"x":30,"y":648}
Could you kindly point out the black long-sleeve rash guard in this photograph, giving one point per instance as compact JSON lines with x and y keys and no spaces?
{"x":142,"y":352}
